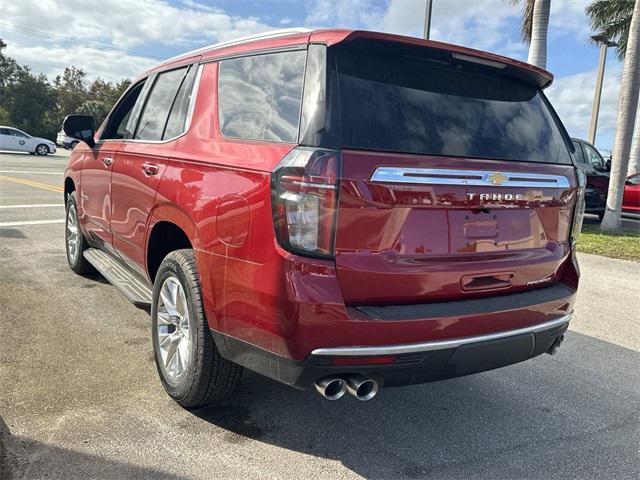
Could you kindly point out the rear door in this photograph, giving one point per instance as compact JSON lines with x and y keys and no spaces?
{"x":456,"y":182}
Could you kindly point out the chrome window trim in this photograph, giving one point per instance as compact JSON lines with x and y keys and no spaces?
{"x":241,"y":40}
{"x":190,"y":110}
{"x":479,"y":178}
{"x":438,"y":344}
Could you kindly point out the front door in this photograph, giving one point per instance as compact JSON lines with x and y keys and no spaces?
{"x":95,"y":190}
{"x":98,"y":164}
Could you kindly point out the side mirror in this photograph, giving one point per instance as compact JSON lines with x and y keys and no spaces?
{"x":80,"y":127}
{"x":607,"y":165}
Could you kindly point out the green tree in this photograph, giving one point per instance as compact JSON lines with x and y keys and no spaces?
{"x":612,"y":20}
{"x":38,"y":106}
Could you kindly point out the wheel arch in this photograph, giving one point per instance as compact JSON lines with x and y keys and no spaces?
{"x":69,"y":187}
{"x":170,"y":228}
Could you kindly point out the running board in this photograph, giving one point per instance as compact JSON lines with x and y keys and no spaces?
{"x":135,"y":289}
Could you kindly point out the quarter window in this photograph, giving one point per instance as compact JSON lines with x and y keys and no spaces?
{"x":260,"y":96}
{"x":156,"y":111}
{"x":177,"y":122}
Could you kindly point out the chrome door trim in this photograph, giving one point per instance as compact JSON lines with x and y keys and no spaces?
{"x":479,"y":178}
{"x":437,"y":344}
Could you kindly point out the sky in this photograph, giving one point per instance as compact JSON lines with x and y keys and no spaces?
{"x":115,"y":39}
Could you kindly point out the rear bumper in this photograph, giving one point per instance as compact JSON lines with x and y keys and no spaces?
{"x":413,"y":363}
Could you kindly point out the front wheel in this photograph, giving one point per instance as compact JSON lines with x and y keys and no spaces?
{"x":190,"y":367}
{"x":42,"y":149}
{"x":74,"y":238}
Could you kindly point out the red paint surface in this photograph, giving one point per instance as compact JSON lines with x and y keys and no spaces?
{"x":631,"y":199}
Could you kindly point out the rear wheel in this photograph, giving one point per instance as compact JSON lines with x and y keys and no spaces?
{"x":190,"y":367}
{"x":74,"y":238}
{"x":42,"y":149}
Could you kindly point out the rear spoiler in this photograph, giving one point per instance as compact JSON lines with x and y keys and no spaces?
{"x":527,"y":73}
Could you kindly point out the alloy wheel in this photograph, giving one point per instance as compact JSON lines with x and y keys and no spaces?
{"x":42,"y":150}
{"x":174,"y":328}
{"x":73,"y":234}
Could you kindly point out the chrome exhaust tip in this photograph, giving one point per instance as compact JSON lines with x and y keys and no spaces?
{"x":556,"y":345}
{"x":362,"y":388}
{"x":331,"y":388}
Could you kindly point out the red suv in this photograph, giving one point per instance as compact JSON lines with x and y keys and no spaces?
{"x":337,"y":208}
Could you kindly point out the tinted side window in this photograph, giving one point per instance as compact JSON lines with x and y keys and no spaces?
{"x":592,"y":156}
{"x":4,"y":131}
{"x":156,"y":111}
{"x":119,"y":118}
{"x":259,"y":97}
{"x":634,"y":180}
{"x":176,"y":124}
{"x":579,"y":155}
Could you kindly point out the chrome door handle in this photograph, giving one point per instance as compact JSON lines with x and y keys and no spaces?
{"x":108,"y":161}
{"x":150,"y":169}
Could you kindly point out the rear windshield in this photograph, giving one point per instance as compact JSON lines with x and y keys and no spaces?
{"x":432,"y":107}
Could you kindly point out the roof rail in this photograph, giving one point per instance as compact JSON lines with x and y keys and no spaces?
{"x":237,"y":41}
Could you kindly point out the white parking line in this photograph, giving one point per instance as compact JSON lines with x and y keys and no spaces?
{"x":39,"y":205}
{"x":27,"y":172}
{"x":30,"y":222}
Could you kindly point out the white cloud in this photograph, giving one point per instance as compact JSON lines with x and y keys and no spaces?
{"x":568,"y":17}
{"x":128,"y":24}
{"x":112,"y":38}
{"x":109,"y":65}
{"x":572,"y":97}
{"x":473,"y":23}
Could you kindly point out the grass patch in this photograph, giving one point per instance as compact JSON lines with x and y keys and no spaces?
{"x":624,"y":244}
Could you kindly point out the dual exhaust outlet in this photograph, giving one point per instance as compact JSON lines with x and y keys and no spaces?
{"x":333,"y":388}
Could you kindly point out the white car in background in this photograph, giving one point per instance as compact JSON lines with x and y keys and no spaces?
{"x":64,"y":141}
{"x":15,"y":140}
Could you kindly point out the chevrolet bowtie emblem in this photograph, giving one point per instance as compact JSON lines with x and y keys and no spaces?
{"x":497,"y":178}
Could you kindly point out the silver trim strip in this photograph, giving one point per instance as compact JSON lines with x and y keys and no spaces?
{"x":479,"y":178}
{"x":321,"y":186}
{"x":237,"y":41}
{"x":438,"y":344}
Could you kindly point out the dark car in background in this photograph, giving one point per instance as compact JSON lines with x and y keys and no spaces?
{"x":589,"y":159}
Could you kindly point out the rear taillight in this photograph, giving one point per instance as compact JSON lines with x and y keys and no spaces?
{"x":578,"y":212}
{"x":304,"y":192}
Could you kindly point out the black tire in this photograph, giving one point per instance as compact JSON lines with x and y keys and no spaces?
{"x":42,"y":149}
{"x":207,"y":378}
{"x":600,"y":216}
{"x":76,"y":261}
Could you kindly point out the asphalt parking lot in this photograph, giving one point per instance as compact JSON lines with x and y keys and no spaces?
{"x":80,"y":397}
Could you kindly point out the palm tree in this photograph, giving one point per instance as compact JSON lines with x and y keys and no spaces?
{"x":611,"y":19}
{"x":535,"y":23}
{"x":634,"y":159}
{"x":627,"y":106}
